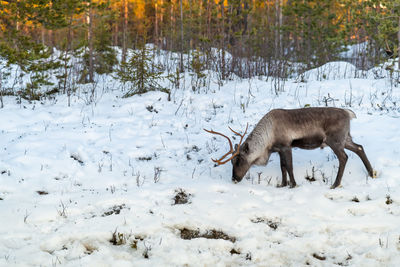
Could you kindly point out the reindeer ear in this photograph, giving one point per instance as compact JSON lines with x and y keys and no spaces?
{"x":246,"y":148}
{"x":236,"y":147}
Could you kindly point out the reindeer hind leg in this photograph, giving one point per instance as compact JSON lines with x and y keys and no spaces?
{"x":359,"y":150}
{"x":338,"y":149}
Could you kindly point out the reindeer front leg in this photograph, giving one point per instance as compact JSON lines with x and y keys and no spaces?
{"x":285,"y":154}
{"x":283,"y":169}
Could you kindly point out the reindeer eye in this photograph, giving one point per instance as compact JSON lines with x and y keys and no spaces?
{"x":237,"y":163}
{"x":246,"y":148}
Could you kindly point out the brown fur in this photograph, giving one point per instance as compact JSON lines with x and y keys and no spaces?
{"x":307,"y":128}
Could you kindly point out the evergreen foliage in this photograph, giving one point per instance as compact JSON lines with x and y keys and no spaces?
{"x":104,"y":55}
{"x":100,"y":46}
{"x":316,"y":29}
{"x":245,"y":38}
{"x":141,"y":73}
{"x":32,"y":59}
{"x":5,"y":72}
{"x":197,"y":67}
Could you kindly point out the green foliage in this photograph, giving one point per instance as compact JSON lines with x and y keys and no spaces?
{"x":33,"y":60}
{"x":5,"y":72}
{"x":104,"y":56}
{"x":197,"y":66}
{"x":260,"y":36}
{"x":316,"y":29}
{"x":386,"y":18}
{"x":141,"y":73}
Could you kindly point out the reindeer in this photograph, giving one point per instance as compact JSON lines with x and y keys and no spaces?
{"x":281,"y":129}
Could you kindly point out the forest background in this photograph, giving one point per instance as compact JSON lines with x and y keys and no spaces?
{"x":247,"y":38}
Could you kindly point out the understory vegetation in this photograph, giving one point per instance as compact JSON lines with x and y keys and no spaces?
{"x":53,"y":47}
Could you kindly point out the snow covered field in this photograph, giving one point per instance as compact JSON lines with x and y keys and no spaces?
{"x":130,"y":181}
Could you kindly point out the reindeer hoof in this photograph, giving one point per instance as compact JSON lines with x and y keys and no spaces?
{"x":335,"y":186}
{"x":292,"y":185}
{"x":374,"y":174}
{"x":281,"y":185}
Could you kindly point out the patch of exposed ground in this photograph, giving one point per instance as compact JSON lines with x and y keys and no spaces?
{"x":189,"y":234}
{"x":273,"y":224}
{"x":181,"y":197}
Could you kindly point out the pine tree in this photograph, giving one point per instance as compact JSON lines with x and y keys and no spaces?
{"x":316,"y":28}
{"x":5,"y":72}
{"x":141,"y":73}
{"x":101,"y":51}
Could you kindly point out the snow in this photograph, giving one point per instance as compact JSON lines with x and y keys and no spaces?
{"x":72,"y":177}
{"x":330,"y":71}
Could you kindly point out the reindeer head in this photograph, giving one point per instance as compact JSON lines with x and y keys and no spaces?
{"x":238,"y":158}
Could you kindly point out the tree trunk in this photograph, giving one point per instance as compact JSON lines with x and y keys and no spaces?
{"x":43,"y":33}
{"x":1,"y":91}
{"x":66,"y":54}
{"x":181,"y":63}
{"x":156,"y":23}
{"x":398,"y":44}
{"x":222,"y":40}
{"x":171,"y":27}
{"x":115,"y":35}
{"x":124,"y":30}
{"x":89,"y":19}
{"x":162,"y":40}
{"x":278,"y":23}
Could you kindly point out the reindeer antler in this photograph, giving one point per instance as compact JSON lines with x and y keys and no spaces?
{"x":220,"y":161}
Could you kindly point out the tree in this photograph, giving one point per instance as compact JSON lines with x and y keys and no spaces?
{"x":141,"y":73}
{"x":20,"y":49}
{"x":100,"y":57}
{"x":315,"y":27}
{"x":5,"y":72}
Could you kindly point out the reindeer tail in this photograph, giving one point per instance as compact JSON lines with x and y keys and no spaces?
{"x":351,"y":114}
